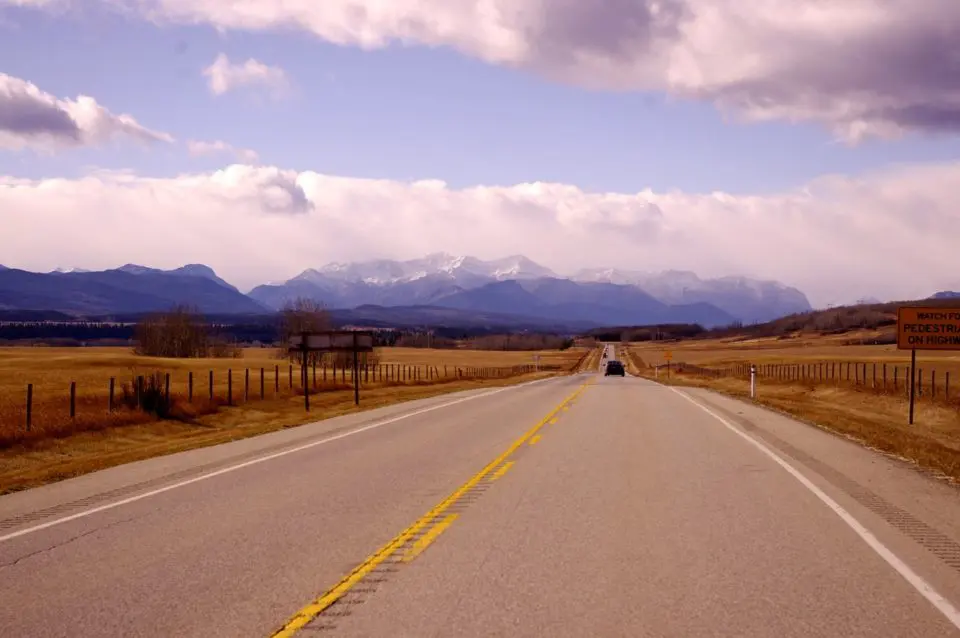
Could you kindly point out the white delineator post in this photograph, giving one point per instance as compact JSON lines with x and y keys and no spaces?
{"x":753,"y":381}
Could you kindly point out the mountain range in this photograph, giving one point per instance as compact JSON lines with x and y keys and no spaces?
{"x":517,"y":284}
{"x":128,"y":289}
{"x":438,"y":287}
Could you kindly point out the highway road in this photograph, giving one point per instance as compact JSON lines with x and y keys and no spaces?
{"x":578,"y":506}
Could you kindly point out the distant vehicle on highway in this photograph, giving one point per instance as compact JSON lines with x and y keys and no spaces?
{"x":615,"y":367}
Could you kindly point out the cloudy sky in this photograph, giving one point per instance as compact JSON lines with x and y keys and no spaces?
{"x":816,"y":143}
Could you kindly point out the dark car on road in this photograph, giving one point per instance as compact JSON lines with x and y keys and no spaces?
{"x":614,"y":367}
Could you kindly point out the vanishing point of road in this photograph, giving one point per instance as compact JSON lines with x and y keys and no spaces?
{"x":576,"y":506}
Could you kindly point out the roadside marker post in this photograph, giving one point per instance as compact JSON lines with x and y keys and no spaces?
{"x":753,"y":381}
{"x":926,"y":328}
{"x":913,"y":380}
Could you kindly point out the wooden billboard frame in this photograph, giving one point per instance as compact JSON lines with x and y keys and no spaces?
{"x":945,"y":321}
{"x":355,"y":341}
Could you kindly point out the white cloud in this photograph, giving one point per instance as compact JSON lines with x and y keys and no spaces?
{"x":889,"y":235}
{"x":223,"y":76}
{"x":862,"y":67}
{"x":199,"y":148}
{"x":31,"y":118}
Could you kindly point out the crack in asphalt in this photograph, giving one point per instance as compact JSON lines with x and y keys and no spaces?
{"x":68,"y":541}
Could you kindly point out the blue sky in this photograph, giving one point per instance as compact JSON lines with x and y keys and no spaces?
{"x":414,"y":113}
{"x":443,"y":106}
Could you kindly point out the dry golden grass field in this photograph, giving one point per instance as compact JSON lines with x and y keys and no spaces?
{"x":870,"y":413}
{"x":58,"y":446}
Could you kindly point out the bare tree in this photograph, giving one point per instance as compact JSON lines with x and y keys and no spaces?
{"x":178,"y":333}
{"x":302,"y":315}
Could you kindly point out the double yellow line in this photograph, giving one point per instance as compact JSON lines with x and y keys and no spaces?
{"x":317,"y":607}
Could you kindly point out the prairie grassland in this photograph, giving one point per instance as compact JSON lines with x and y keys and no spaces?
{"x":874,"y":415}
{"x":799,"y":350}
{"x":58,"y":446}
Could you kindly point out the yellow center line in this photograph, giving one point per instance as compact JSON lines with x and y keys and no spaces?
{"x":316,"y":607}
{"x":424,"y":541}
{"x":503,"y":470}
{"x":535,"y":440}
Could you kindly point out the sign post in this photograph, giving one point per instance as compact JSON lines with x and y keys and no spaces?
{"x":926,"y":328}
{"x":355,"y":341}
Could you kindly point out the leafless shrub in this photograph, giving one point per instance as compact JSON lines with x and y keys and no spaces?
{"x":302,"y":315}
{"x":180,"y":333}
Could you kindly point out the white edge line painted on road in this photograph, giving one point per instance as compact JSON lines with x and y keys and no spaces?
{"x":269,"y":457}
{"x":925,"y":589}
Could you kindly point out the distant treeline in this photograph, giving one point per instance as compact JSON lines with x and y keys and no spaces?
{"x":264,"y":331}
{"x":664,"y":332}
{"x":515,"y":342}
{"x":79,"y":331}
{"x":830,"y":321}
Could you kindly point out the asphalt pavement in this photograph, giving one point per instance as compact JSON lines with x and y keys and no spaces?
{"x":577,"y":506}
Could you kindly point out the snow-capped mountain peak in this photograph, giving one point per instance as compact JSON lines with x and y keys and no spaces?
{"x":64,"y":271}
{"x":751,"y":299}
{"x":455,"y":268}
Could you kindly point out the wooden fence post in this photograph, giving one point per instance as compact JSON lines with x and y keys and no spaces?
{"x":166,"y":390}
{"x":113,"y":383}
{"x":230,"y":386}
{"x":29,"y":405}
{"x":263,"y":386}
{"x":314,"y":372}
{"x":190,"y":386}
{"x":246,"y":384}
{"x":211,"y":385}
{"x":140,"y":392}
{"x":884,"y":377}
{"x":895,"y":372}
{"x":290,"y":377}
{"x":73,"y":399}
{"x":276,"y":379}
